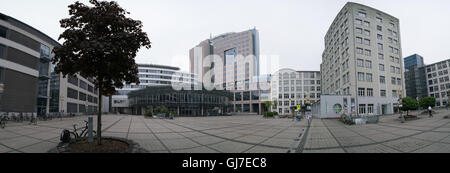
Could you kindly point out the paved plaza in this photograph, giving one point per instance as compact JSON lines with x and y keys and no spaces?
{"x":245,"y":134}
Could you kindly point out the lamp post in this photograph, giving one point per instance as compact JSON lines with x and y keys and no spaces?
{"x":400,"y":106}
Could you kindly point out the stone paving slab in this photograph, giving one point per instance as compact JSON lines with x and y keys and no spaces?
{"x":407,"y":144}
{"x":251,"y":139}
{"x":173,"y":144}
{"x":431,"y":136}
{"x":377,"y":148}
{"x":262,"y":149}
{"x":231,"y":147}
{"x":435,"y":148}
{"x":196,"y":150}
{"x":334,"y":150}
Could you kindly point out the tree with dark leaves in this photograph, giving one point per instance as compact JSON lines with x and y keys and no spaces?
{"x":100,"y":42}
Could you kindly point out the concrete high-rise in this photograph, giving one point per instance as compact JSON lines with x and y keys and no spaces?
{"x":237,"y":77}
{"x":362,"y":58}
{"x":438,"y":81}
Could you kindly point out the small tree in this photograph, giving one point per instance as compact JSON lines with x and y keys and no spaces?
{"x":275,"y":103}
{"x":409,"y":104}
{"x":268,"y":105}
{"x":100,"y":42}
{"x":427,"y":101}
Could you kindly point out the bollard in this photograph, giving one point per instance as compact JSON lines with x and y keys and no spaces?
{"x":90,"y":136}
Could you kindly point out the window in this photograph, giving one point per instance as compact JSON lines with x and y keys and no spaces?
{"x":394,"y":93}
{"x":368,"y":64}
{"x":359,"y":40}
{"x":360,"y":63}
{"x":3,"y":31}
{"x":362,"y":109}
{"x":359,"y":50}
{"x":393,"y":80}
{"x":399,"y":81}
{"x":381,"y":67}
{"x":397,"y":60}
{"x":366,"y":23}
{"x":361,"y":91}
{"x":73,"y":80}
{"x":368,"y":77}
{"x":392,"y":25}
{"x":367,"y":52}
{"x":360,"y":76}
{"x":370,"y":108}
{"x":361,"y":14}
{"x":366,"y":32}
{"x":383,"y":93}
{"x":379,"y":37}
{"x":379,"y":19}
{"x":71,"y":93}
{"x":2,"y":51}
{"x":392,"y":68}
{"x":367,"y":42}
{"x":358,"y":21}
{"x":359,"y":30}
{"x":382,"y":79}
{"x":380,"y":47}
{"x":380,"y":56}
{"x":1,"y":75}
{"x":397,"y":70}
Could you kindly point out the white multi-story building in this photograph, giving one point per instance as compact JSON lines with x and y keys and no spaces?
{"x":149,"y":75}
{"x":291,"y":88}
{"x":438,"y":81}
{"x":362,"y":59}
{"x":73,"y":94}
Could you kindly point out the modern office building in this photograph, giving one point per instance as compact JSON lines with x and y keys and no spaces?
{"x":291,"y":88}
{"x":239,"y":56}
{"x":149,"y":75}
{"x":183,"y":102}
{"x":438,"y":81}
{"x":362,"y":59}
{"x":24,"y":67}
{"x":415,"y":77}
{"x":73,"y":94}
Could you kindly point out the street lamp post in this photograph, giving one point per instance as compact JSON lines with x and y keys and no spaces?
{"x":400,"y":106}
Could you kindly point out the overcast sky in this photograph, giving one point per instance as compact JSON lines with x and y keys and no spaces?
{"x":292,"y":29}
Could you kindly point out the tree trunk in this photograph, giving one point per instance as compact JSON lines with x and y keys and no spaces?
{"x":99,"y":117}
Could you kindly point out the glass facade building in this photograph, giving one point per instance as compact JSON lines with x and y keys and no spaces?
{"x":415,"y":77}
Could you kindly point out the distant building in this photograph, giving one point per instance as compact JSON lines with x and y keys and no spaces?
{"x":415,"y":77}
{"x":241,"y":79}
{"x":291,"y":88}
{"x":182,"y":102}
{"x":149,"y":75}
{"x":438,"y":81}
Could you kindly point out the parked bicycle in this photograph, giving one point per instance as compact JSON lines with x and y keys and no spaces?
{"x":67,"y":136}
{"x":3,"y":121}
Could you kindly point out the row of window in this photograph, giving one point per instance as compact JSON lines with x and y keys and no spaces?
{"x":299,"y":89}
{"x":298,"y":95}
{"x":299,"y":82}
{"x":441,"y":73}
{"x":441,"y":80}
{"x":74,"y":94}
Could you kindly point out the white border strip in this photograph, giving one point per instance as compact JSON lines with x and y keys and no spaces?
{"x":17,"y":67}
{"x":20,"y":47}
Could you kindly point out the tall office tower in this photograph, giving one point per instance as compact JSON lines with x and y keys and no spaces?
{"x":362,"y":59}
{"x":415,"y":77}
{"x":438,"y":84}
{"x":238,"y":76}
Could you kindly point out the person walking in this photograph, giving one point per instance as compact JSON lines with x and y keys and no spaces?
{"x":429,"y":111}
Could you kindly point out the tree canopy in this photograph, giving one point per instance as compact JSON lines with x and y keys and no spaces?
{"x":100,"y":42}
{"x":409,"y":104}
{"x":427,"y":101}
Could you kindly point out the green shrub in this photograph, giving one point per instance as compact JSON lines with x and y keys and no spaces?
{"x":149,"y":113}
